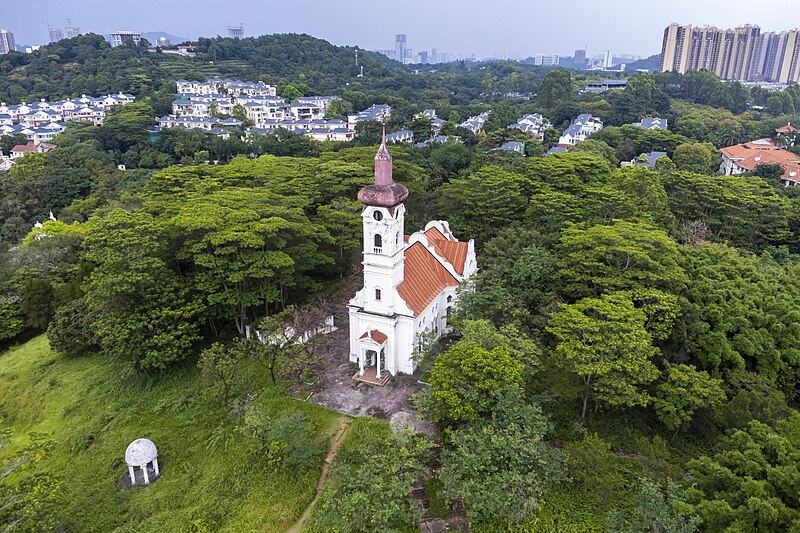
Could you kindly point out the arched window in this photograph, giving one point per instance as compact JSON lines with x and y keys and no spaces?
{"x":378,"y":243}
{"x":397,"y":239}
{"x":449,"y":299}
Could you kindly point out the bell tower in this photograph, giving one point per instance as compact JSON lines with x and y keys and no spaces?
{"x":383,"y":220}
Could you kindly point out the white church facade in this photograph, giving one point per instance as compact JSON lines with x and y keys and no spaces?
{"x":410,"y":281}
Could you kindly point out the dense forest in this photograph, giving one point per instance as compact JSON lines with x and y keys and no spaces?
{"x":626,"y":359}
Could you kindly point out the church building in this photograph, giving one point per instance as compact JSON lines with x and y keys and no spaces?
{"x":410,"y":281}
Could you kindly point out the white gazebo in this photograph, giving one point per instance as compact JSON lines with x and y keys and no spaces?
{"x":140,"y":454}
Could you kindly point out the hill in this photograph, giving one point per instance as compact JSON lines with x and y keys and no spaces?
{"x":652,"y":63}
{"x":87,"y":64}
{"x":214,"y":477}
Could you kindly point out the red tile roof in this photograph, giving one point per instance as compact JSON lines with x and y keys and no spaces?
{"x":454,"y":251}
{"x":748,"y":159}
{"x":786,"y":129}
{"x":375,"y":335}
{"x":425,"y":278}
{"x":30,"y":147}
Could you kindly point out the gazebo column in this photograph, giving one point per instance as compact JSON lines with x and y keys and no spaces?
{"x":378,"y":365}
{"x":361,"y":362}
{"x":146,"y":477}
{"x":155,"y":465}
{"x":132,"y":473}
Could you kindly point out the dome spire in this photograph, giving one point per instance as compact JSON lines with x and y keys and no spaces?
{"x":383,"y":162}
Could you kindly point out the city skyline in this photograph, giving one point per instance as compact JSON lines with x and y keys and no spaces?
{"x":465,"y":27}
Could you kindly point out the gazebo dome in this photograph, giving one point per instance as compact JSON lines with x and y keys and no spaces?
{"x":140,"y":452}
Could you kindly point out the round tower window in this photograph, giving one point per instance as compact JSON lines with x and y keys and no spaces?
{"x":377,"y":215}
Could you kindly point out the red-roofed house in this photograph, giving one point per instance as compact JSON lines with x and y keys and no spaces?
{"x":787,"y":134}
{"x":410,"y":281}
{"x":30,"y":148}
{"x":746,"y":157}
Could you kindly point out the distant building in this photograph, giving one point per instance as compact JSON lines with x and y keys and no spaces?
{"x":236,"y":32}
{"x":533,"y":123}
{"x":119,"y":38}
{"x":402,"y":136}
{"x":376,"y":112}
{"x":743,"y":53}
{"x":556,"y":150}
{"x":608,"y":59}
{"x":581,"y":127}
{"x":7,"y":43}
{"x":580,"y":57}
{"x":652,"y":123}
{"x":546,"y":60}
{"x":55,"y":34}
{"x":71,"y":31}
{"x":645,"y":160}
{"x":400,"y":47}
{"x":513,"y":146}
{"x":599,"y":87}
{"x":475,"y":124}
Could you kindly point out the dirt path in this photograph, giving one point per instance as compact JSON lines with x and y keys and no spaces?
{"x":344,"y":423}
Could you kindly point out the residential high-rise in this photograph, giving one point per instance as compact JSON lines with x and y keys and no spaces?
{"x":71,"y":31}
{"x":790,"y":60}
{"x":400,"y":47}
{"x":7,"y":42}
{"x":608,"y":59}
{"x":55,"y":34}
{"x":742,"y":53}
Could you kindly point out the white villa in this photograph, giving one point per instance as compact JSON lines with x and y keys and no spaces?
{"x":410,"y":281}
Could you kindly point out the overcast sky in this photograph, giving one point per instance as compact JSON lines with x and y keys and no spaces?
{"x":485,"y":27}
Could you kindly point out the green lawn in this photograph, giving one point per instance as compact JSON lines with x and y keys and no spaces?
{"x":213,"y":477}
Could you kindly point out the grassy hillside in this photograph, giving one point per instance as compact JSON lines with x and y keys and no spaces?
{"x":213,"y":477}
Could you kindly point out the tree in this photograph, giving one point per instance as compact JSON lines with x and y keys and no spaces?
{"x":746,"y":212}
{"x":143,"y":311}
{"x":220,"y":363}
{"x":71,"y":331}
{"x":646,"y":190}
{"x":749,"y":483}
{"x":737,"y":313}
{"x":127,"y":125}
{"x":288,"y":342}
{"x":682,"y":392}
{"x":11,"y":322}
{"x":694,"y":157}
{"x":604,"y":342}
{"x":466,"y":381}
{"x":421,"y":126}
{"x":484,"y":202}
{"x":502,"y":466}
{"x":370,"y":486}
{"x":656,"y":511}
{"x":556,"y":87}
{"x":516,"y":275}
{"x":620,"y":256}
{"x":247,"y":247}
{"x":37,"y":298}
{"x":599,"y":149}
{"x":285,"y":439}
{"x":752,"y":397}
{"x":592,"y":466}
